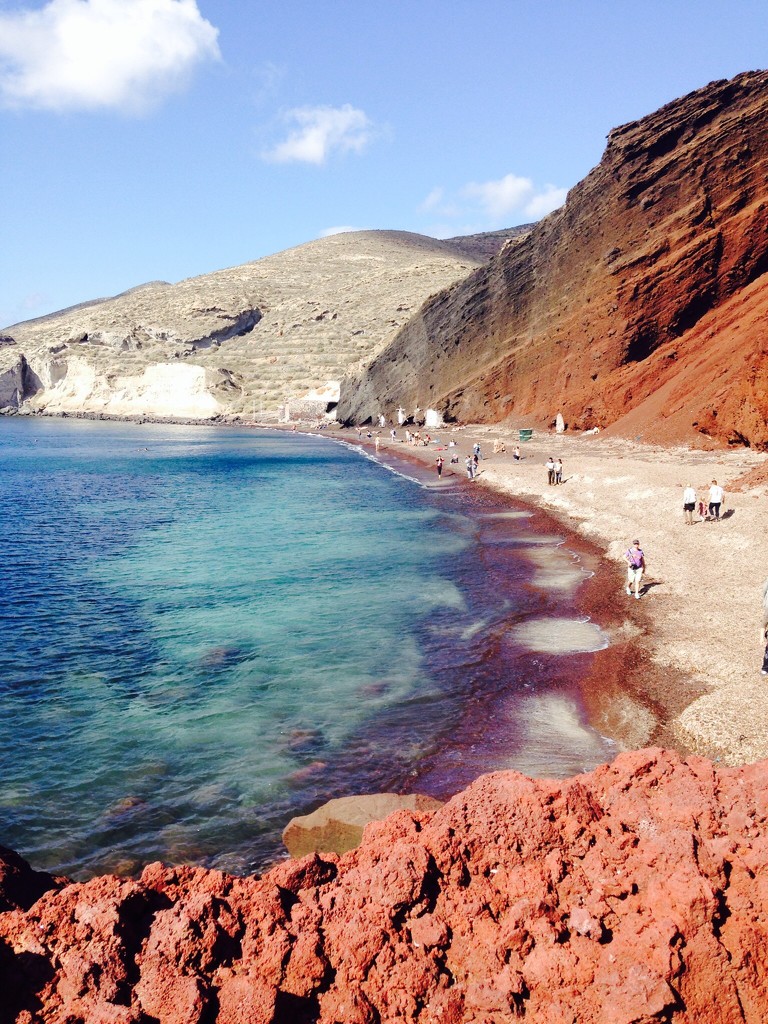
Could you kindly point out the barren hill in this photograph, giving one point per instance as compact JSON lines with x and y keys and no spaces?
{"x":235,"y":341}
{"x":641,"y":304}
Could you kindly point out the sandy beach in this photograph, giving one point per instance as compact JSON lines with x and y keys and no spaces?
{"x":697,"y":624}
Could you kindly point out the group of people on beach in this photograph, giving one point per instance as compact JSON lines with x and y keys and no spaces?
{"x":554,"y":469}
{"x":708,"y":508}
{"x":709,"y":511}
{"x":471,"y":462}
{"x":707,"y":502}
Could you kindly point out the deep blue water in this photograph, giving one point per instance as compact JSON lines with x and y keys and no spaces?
{"x":207,"y":630}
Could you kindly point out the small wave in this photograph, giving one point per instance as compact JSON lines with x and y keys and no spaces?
{"x":560,"y":636}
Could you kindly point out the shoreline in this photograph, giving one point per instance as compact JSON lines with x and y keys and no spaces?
{"x":683,"y":666}
{"x":624,"y":698}
{"x":693,"y":679}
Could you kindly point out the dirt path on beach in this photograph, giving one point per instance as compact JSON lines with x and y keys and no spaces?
{"x":697,"y":624}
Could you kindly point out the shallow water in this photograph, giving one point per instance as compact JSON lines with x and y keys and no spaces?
{"x":209,"y":630}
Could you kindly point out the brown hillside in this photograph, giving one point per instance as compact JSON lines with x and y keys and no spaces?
{"x":237,"y":341}
{"x":641,"y":304}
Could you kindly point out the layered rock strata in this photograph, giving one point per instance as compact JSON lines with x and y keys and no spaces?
{"x":636,"y":893}
{"x":641,"y":303}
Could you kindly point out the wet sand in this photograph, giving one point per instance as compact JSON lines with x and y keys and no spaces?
{"x":683,"y":665}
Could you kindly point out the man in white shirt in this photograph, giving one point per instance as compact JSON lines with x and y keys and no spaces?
{"x":716,"y":499}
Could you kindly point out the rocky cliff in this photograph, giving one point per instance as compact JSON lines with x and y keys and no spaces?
{"x":238,"y":341}
{"x":636,"y":893}
{"x":642,"y":303}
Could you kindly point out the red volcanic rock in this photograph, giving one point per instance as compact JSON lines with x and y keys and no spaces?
{"x":20,"y":886}
{"x":640,"y":304}
{"x":636,"y":893}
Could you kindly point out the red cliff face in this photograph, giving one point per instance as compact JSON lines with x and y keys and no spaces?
{"x":642,"y":303}
{"x":636,"y":893}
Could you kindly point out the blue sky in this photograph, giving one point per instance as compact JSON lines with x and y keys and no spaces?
{"x":160,"y":139}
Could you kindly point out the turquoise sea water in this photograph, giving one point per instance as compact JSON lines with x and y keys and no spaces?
{"x":208,"y":630}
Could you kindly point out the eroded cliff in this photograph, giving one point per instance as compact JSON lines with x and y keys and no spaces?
{"x":238,"y":341}
{"x":642,"y":303}
{"x":636,"y":893}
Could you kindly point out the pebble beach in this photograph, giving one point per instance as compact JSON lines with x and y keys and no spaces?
{"x":697,"y":683}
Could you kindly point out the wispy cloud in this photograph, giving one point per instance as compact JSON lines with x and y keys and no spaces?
{"x":321,"y":131}
{"x":545,"y":201}
{"x":503,"y":197}
{"x":439,"y":203}
{"x":31,"y":305}
{"x":494,"y":204}
{"x":101,"y":54}
{"x":342,"y":229}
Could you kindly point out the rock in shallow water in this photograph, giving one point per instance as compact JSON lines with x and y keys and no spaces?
{"x":338,"y":825}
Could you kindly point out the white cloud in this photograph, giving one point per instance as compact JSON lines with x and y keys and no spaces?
{"x":320,"y":132}
{"x":31,"y":305}
{"x":513,"y":195}
{"x":434,"y":200}
{"x":96,"y":54}
{"x":503,"y":197}
{"x":485,"y":206}
{"x":342,"y":229}
{"x":544,"y":202}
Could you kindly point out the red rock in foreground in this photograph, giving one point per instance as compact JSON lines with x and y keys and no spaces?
{"x":636,"y":893}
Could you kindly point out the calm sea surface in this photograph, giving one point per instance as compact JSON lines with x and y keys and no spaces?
{"x":206,"y":631}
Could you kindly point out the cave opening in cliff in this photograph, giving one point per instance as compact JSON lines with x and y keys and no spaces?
{"x":645,"y":341}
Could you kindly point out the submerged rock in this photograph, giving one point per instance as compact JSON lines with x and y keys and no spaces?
{"x":635,"y":893}
{"x":338,"y":825}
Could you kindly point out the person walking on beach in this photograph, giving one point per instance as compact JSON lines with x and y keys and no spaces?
{"x":558,"y":471}
{"x":689,"y":504}
{"x":439,"y":464}
{"x":516,"y":454}
{"x":470,"y":464}
{"x":550,"y":464}
{"x":716,"y":499}
{"x":635,"y":567}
